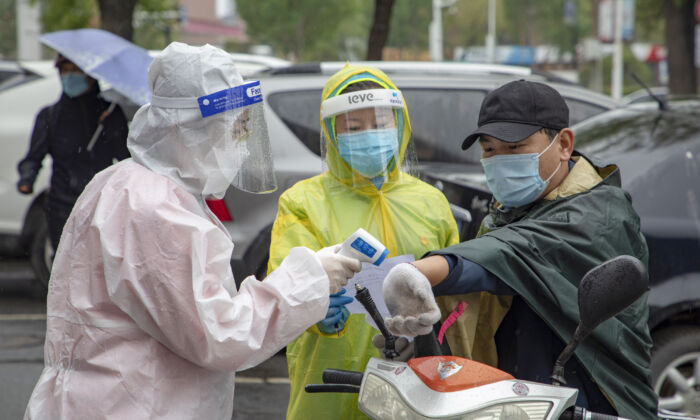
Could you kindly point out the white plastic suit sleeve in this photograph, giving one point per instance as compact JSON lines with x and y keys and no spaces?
{"x":168,"y":269}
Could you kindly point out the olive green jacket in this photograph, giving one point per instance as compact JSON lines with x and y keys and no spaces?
{"x":543,"y":250}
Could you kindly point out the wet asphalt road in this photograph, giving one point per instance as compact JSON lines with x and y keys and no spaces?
{"x":262,"y":393}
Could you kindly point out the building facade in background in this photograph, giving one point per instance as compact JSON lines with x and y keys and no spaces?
{"x":211,"y":21}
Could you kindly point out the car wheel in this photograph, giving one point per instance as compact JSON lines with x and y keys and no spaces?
{"x":675,"y":368}
{"x":41,"y":253}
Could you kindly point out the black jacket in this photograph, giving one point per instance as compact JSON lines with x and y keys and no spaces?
{"x":63,"y":130}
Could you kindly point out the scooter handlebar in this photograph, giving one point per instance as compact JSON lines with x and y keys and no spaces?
{"x":339,"y":376}
{"x":337,"y":380}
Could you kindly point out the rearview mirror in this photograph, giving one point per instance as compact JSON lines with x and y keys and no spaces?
{"x":609,"y":288}
{"x":604,"y":291}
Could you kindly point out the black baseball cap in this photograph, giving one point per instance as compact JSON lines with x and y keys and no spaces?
{"x":517,"y":110}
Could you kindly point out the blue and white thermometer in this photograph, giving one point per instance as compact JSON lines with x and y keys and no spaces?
{"x":364,"y":247}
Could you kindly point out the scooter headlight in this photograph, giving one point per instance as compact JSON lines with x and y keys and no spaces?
{"x":380,"y":400}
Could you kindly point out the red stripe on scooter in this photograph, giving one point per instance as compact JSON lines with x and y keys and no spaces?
{"x":459,"y":310}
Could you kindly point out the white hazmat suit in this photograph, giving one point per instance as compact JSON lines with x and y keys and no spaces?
{"x":143,"y":318}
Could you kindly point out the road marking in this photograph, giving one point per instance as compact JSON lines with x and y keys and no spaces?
{"x":278,"y":381}
{"x":249,"y":380}
{"x":22,"y":317}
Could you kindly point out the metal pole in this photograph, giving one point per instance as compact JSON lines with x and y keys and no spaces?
{"x":435,"y":32}
{"x":617,"y":67}
{"x":28,"y":16}
{"x":491,"y":36}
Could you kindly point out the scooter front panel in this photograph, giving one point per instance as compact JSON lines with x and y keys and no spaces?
{"x":405,"y":384}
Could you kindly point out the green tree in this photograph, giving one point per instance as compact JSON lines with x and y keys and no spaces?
{"x":8,"y":29}
{"x":306,"y":29}
{"x":541,"y":22}
{"x":156,"y":32}
{"x":58,"y":15}
{"x":631,"y":66}
{"x":409,"y":26}
{"x":649,"y":22}
{"x":466,"y":24}
{"x":115,"y":16}
{"x":671,"y":22}
{"x":680,"y":42}
{"x":379,"y":32}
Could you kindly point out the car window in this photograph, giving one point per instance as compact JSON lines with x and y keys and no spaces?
{"x":299,"y":110}
{"x":636,"y":130}
{"x":12,"y":74}
{"x":440,"y":120}
{"x":658,"y":154}
{"x":580,"y":110}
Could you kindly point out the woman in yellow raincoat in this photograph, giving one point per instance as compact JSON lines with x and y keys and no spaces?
{"x":365,"y":187}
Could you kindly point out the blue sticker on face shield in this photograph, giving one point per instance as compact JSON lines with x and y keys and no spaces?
{"x":227,"y":99}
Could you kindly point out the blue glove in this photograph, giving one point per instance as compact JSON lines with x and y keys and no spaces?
{"x":337,"y":314}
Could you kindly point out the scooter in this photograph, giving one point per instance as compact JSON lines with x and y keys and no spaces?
{"x":454,"y":388}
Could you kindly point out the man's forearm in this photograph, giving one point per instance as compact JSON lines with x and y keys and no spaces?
{"x":435,"y":268}
{"x":464,"y":276}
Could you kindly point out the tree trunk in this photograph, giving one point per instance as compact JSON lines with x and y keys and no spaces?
{"x":380,"y":29}
{"x":116,"y":17}
{"x":680,"y":41}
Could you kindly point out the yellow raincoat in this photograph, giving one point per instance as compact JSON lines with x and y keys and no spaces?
{"x":406,"y":214}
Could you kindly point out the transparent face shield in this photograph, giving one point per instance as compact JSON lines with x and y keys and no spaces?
{"x":365,"y":136}
{"x":240,"y":156}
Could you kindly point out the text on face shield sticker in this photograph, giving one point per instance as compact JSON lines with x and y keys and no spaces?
{"x":363,"y":247}
{"x":227,"y":99}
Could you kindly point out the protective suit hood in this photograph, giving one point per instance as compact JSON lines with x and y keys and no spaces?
{"x":335,"y":86}
{"x":177,"y":142}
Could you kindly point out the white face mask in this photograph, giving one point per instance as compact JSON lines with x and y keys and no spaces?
{"x":515,"y":179}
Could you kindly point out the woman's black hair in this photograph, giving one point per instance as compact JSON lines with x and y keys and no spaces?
{"x":362,"y":85}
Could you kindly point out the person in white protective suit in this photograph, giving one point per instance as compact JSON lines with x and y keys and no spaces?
{"x":144,"y":320}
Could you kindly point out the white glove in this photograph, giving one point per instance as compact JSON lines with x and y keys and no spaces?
{"x":339,"y":268}
{"x":410,"y":301}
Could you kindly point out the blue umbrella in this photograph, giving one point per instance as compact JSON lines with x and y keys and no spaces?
{"x":106,"y":57}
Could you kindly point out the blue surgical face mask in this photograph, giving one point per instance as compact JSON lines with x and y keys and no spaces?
{"x":369,"y":151}
{"x":515,"y":179}
{"x":74,"y":84}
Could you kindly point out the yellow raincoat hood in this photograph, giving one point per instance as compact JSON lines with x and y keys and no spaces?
{"x":334,"y":87}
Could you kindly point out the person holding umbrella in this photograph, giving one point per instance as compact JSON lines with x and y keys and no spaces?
{"x":66,"y":130}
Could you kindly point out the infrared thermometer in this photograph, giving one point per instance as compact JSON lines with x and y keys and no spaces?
{"x":364,"y":247}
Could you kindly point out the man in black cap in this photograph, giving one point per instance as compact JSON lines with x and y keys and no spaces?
{"x":555,"y":215}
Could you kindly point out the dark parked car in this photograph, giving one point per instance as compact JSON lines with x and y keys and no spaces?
{"x":658,"y":152}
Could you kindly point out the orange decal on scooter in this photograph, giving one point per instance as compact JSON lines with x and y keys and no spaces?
{"x":457,"y":373}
